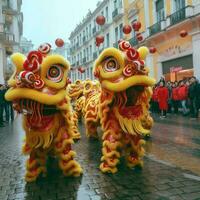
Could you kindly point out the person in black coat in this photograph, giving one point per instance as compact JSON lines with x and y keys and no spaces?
{"x":194,"y":97}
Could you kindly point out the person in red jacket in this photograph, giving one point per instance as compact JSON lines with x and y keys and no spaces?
{"x":183,"y":95}
{"x":175,"y":97}
{"x":162,"y":96}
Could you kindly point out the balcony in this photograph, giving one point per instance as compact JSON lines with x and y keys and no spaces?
{"x":155,"y":28}
{"x":117,"y":13}
{"x":133,"y":41}
{"x":7,"y":38}
{"x":178,"y":16}
{"x":9,"y":11}
{"x":94,"y":55}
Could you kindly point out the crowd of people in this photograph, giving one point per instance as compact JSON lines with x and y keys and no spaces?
{"x":182,"y":96}
{"x":6,"y":110}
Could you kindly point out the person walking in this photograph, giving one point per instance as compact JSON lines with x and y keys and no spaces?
{"x":169,"y":87}
{"x":175,"y":98}
{"x":162,"y":96}
{"x":182,"y":96}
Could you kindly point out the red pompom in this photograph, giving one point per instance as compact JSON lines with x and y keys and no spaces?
{"x":99,"y":39}
{"x":139,"y":37}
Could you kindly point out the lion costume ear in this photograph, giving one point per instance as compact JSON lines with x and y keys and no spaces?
{"x":18,"y":61}
{"x":143,"y":52}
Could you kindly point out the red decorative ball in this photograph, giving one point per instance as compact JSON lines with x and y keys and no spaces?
{"x":100,"y":20}
{"x":126,"y":29}
{"x":136,"y":25}
{"x":69,"y":81}
{"x":139,"y":37}
{"x":152,"y":50}
{"x":99,"y":39}
{"x":59,"y":42}
{"x":81,"y":69}
{"x":183,"y":33}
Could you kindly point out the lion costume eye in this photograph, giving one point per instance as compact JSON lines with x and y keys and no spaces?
{"x":55,"y":73}
{"x":111,"y":65}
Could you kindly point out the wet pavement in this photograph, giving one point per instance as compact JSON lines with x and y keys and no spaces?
{"x":171,"y":168}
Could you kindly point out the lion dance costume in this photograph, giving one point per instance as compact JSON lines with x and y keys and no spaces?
{"x":38,"y":90}
{"x":122,"y":105}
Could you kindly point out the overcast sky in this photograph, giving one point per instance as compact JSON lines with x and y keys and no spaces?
{"x":46,"y":20}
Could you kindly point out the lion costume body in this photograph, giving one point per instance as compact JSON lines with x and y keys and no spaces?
{"x":122,"y":105}
{"x":38,"y":91}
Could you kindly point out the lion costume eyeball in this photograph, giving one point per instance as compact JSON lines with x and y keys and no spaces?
{"x":38,"y":91}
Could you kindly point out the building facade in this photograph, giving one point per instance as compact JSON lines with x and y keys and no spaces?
{"x":162,"y":21}
{"x":26,"y":45}
{"x":83,"y":50}
{"x":11,"y":28}
{"x":64,"y":51}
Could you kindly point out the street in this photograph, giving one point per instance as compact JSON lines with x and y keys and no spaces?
{"x":171,"y":168}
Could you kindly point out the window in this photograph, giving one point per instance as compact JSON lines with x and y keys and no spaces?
{"x":160,"y":11}
{"x":179,"y":4}
{"x":87,"y":54}
{"x":80,"y":40}
{"x":90,"y":52}
{"x":81,"y":57}
{"x":116,"y":34}
{"x":107,"y":13}
{"x":86,"y":33}
{"x":121,"y":31}
{"x":90,"y":31}
{"x":107,"y":40}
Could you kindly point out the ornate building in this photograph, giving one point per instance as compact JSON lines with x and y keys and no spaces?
{"x":162,"y":21}
{"x":26,"y":45}
{"x":11,"y":28}
{"x":83,"y":49}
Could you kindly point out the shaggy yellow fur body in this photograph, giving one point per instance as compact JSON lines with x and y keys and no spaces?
{"x":121,"y":107}
{"x":47,"y":113}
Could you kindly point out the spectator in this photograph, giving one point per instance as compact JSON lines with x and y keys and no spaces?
{"x":183,"y":95}
{"x":155,"y":100}
{"x":175,"y":98}
{"x":193,"y":94}
{"x":169,"y":87}
{"x":162,"y":96}
{"x":1,"y":105}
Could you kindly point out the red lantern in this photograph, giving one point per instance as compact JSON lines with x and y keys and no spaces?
{"x":59,"y":42}
{"x":183,"y":33}
{"x":152,"y":50}
{"x":100,"y":20}
{"x":99,"y":39}
{"x":136,"y":26}
{"x":139,"y":37}
{"x":126,"y":29}
{"x":81,"y":69}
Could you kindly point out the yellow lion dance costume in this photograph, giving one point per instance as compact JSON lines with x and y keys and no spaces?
{"x":75,"y":92}
{"x":38,"y":90}
{"x":122,"y":105}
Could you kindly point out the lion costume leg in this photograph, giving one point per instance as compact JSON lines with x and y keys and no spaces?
{"x":111,"y":144}
{"x":36,"y":164}
{"x":64,"y":151}
{"x":134,"y":151}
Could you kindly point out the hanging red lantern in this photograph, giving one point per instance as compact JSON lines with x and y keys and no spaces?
{"x":100,"y":20}
{"x":81,"y":69}
{"x":183,"y":33}
{"x":69,"y":81}
{"x":99,"y":39}
{"x":139,"y":37}
{"x":152,"y":50}
{"x":59,"y":42}
{"x":136,"y":25}
{"x":126,"y":29}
